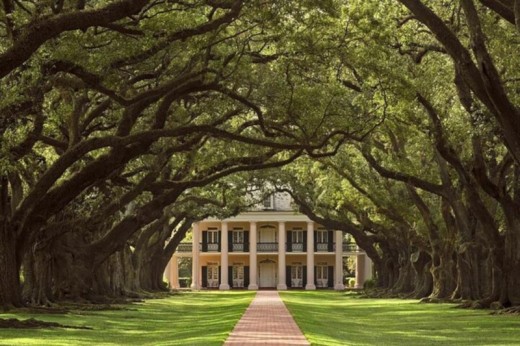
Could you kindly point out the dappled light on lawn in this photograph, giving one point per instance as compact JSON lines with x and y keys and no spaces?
{"x":331,"y":318}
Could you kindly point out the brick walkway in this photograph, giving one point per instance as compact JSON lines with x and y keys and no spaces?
{"x":266,"y":322}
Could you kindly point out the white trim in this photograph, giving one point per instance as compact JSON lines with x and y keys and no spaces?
{"x":263,"y":216}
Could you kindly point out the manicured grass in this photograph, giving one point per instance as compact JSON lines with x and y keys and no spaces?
{"x":331,"y":318}
{"x":202,"y":318}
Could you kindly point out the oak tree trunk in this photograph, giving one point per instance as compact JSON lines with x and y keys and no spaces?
{"x":9,"y":270}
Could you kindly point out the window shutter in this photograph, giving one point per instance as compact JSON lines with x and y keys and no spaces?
{"x":246,"y":276}
{"x":305,"y":241}
{"x":230,"y":241}
{"x":219,"y":240}
{"x":304,"y":276}
{"x":288,"y":276}
{"x":219,"y":275}
{"x":246,"y":242}
{"x":315,"y":241}
{"x":230,"y":276}
{"x":204,"y":276}
{"x":315,"y":275}
{"x":330,"y":245}
{"x":330,"y":277}
{"x":204,"y":241}
{"x":289,"y":241}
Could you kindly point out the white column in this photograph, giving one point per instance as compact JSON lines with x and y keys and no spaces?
{"x":195,"y":279}
{"x":360,"y":270}
{"x":281,"y":256}
{"x":167,"y":274}
{"x":310,"y":257}
{"x":338,"y":284}
{"x":368,"y":268}
{"x":224,"y":280}
{"x":174,"y":272}
{"x":252,"y":256}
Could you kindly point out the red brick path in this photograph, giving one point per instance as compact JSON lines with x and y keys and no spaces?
{"x":266,"y":322}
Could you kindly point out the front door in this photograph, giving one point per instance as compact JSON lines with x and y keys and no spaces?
{"x":267,"y":273}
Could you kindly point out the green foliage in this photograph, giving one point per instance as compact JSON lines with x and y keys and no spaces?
{"x":369,"y":284}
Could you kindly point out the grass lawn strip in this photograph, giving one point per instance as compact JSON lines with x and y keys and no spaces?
{"x":201,"y":318}
{"x":332,"y":318}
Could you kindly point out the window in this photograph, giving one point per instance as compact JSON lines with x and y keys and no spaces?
{"x":238,"y":272}
{"x":322,"y":236}
{"x":322,"y":272}
{"x":297,"y":236}
{"x":238,"y":237}
{"x":297,"y":275}
{"x":212,"y":237}
{"x":212,"y":273}
{"x":268,"y":202}
{"x":297,"y":272}
{"x":238,"y":275}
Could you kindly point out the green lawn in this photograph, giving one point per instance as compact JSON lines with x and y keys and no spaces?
{"x":331,"y":318}
{"x":184,"y":319}
{"x":326,"y":318}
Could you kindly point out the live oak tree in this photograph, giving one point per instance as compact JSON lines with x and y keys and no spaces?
{"x":446,"y":101}
{"x":433,"y":138}
{"x":93,"y":124}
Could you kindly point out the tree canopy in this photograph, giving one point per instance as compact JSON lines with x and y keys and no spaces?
{"x":124,"y":121}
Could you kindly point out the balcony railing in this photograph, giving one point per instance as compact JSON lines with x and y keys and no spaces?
{"x":237,"y":247}
{"x":322,"y":247}
{"x":267,"y":247}
{"x":350,"y":247}
{"x":184,"y":247}
{"x":295,"y":247}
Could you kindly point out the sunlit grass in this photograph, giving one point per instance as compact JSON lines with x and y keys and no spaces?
{"x":325,"y":317}
{"x":331,"y":318}
{"x":203,"y":318}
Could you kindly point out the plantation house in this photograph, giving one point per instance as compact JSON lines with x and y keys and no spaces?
{"x":270,"y":246}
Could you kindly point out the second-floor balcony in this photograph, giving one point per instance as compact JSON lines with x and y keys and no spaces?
{"x":213,"y":247}
{"x":349,"y":247}
{"x":296,"y":247}
{"x":239,"y":247}
{"x":324,"y":247}
{"x":185,"y":247}
{"x":268,"y":247}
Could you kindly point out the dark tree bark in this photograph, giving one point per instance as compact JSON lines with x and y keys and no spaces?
{"x":422,"y":262}
{"x":9,"y":267}
{"x":10,"y":283}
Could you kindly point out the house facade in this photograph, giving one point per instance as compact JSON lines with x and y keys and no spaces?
{"x":268,"y":247}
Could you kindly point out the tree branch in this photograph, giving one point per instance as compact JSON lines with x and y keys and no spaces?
{"x":40,"y":30}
